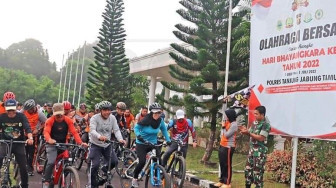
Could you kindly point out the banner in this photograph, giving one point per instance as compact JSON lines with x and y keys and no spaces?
{"x":293,"y":65}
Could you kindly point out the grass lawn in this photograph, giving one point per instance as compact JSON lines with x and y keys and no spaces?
{"x":238,"y":162}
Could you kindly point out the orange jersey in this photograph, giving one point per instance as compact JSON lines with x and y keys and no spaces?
{"x":129,"y":120}
{"x":2,"y":108}
{"x":33,"y":119}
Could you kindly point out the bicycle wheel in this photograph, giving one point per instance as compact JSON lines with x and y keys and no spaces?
{"x":70,"y":178}
{"x":41,"y":158}
{"x":79,"y":158}
{"x":163,"y":181}
{"x":16,"y":174}
{"x":126,"y":172}
{"x":178,"y":172}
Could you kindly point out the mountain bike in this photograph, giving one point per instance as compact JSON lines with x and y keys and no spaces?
{"x":177,"y":166}
{"x":64,"y":175}
{"x":6,"y":181}
{"x":155,"y":174}
{"x":125,"y":156}
{"x":41,"y":155}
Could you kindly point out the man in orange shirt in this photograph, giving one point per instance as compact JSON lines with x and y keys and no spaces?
{"x":129,"y":123}
{"x":36,"y":120}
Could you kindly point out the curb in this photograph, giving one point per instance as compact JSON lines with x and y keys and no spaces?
{"x":203,"y":183}
{"x":199,"y":182}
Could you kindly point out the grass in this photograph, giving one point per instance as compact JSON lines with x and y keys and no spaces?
{"x":238,"y":163}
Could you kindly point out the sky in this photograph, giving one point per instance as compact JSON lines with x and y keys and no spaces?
{"x":64,"y":25}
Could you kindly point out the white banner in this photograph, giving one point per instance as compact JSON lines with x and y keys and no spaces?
{"x":293,"y":65}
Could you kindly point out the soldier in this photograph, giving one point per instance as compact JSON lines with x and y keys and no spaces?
{"x":256,"y":159}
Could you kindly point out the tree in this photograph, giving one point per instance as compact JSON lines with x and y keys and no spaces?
{"x":201,"y":64}
{"x":109,"y":75}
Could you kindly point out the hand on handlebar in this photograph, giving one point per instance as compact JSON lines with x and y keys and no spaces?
{"x":85,"y":145}
{"x":122,"y":141}
{"x":51,"y":141}
{"x":30,"y":141}
{"x":103,"y":138}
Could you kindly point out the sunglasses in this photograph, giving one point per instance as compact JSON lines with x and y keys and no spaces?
{"x":157,"y":112}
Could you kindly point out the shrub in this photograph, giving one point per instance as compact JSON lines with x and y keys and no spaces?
{"x":309,"y":171}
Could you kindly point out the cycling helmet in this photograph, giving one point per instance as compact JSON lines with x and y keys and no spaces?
{"x":8,"y":95}
{"x":121,"y":105}
{"x":155,"y":107}
{"x":29,"y":104}
{"x":82,"y":105}
{"x":67,"y":105}
{"x":105,"y":105}
{"x":97,"y":106}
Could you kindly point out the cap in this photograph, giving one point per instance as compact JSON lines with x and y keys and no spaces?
{"x":179,"y":114}
{"x":10,"y":104}
{"x":58,"y":109}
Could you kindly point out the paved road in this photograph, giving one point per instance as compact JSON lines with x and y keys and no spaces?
{"x":35,"y":181}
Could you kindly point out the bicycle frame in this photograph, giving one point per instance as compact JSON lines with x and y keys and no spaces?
{"x":9,"y":144}
{"x":178,"y":152}
{"x":149,"y":166}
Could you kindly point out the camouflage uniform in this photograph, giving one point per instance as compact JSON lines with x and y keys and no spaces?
{"x":256,"y":159}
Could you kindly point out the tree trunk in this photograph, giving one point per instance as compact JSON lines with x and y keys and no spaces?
{"x":209,"y":147}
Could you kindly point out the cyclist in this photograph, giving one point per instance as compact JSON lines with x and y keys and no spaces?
{"x":6,"y":96}
{"x":49,"y":110}
{"x":180,"y":130}
{"x":56,"y":131}
{"x":146,"y":131}
{"x":97,"y":108}
{"x":142,"y":114}
{"x":101,"y":127}
{"x":129,"y":124}
{"x":19,"y":107}
{"x":14,"y":125}
{"x":36,"y":120}
{"x":121,"y":120}
{"x":81,"y":118}
{"x":67,"y":109}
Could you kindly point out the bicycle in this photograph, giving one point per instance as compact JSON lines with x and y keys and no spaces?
{"x":41,"y":155}
{"x":156,"y":175}
{"x":64,"y":175}
{"x":6,"y":181}
{"x":177,"y":165}
{"x":125,"y":156}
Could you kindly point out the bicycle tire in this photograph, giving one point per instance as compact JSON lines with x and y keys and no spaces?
{"x":73,"y":182}
{"x":16,"y":174}
{"x":41,"y":159}
{"x":178,"y":172}
{"x":165,"y":181}
{"x":78,"y":161}
{"x":126,"y":182}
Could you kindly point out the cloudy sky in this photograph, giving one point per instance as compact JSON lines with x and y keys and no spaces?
{"x":64,"y":25}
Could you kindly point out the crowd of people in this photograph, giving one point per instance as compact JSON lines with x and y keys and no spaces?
{"x":60,"y":121}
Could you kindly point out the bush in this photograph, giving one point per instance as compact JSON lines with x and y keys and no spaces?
{"x":309,"y":172}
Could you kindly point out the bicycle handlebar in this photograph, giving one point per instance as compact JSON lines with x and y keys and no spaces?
{"x":13,"y":141}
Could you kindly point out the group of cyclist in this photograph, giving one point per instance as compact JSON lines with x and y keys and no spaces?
{"x":59,"y":122}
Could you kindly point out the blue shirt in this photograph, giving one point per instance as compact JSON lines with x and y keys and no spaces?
{"x":149,"y":134}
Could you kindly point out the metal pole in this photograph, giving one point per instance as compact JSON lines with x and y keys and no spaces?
{"x":293,"y":172}
{"x":80,"y":83}
{"x":73,"y":51}
{"x":73,"y":99}
{"x":227,"y":63}
{"x":228,"y":50}
{"x":60,"y":84}
{"x":65,"y":79}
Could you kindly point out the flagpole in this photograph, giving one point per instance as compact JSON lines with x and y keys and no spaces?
{"x":65,"y":79}
{"x":70,"y":74}
{"x":73,"y":99}
{"x":60,"y":84}
{"x":80,"y":83}
{"x":228,"y":50}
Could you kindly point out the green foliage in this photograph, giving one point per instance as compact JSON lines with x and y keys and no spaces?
{"x":30,"y":57}
{"x":109,"y":77}
{"x":27,"y":86}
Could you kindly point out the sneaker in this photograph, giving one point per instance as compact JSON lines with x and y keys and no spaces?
{"x":45,"y":185}
{"x":30,"y":171}
{"x":135,"y":183}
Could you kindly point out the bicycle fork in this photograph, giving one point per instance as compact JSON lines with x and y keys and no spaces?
{"x":155,"y":180}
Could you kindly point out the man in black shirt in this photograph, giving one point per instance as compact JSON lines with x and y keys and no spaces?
{"x":13,"y":126}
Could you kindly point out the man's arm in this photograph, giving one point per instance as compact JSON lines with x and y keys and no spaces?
{"x":93,"y":127}
{"x":116,"y":129}
{"x":164,"y":131}
{"x":73,"y":130}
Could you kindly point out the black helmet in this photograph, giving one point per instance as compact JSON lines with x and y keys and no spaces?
{"x":105,"y":105}
{"x":29,"y":104}
{"x":155,"y":107}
